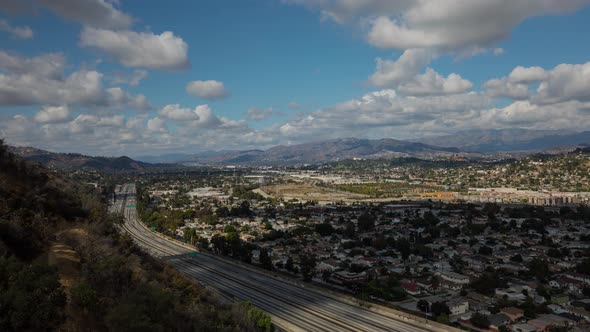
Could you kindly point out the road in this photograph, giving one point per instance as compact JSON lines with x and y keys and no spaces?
{"x":292,"y":307}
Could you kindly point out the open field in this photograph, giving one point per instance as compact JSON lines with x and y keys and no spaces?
{"x":309,"y":192}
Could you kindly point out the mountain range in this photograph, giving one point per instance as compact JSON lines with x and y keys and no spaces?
{"x":77,"y":161}
{"x":331,"y":150}
{"x":509,"y":140}
{"x":472,"y":144}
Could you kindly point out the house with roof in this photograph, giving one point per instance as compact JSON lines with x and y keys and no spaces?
{"x":513,"y":313}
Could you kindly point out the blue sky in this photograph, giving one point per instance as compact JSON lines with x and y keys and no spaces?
{"x":228,"y":74}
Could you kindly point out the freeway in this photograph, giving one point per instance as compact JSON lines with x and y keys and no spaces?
{"x":292,"y":307}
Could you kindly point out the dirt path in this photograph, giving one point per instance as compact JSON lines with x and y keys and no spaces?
{"x":67,"y":261}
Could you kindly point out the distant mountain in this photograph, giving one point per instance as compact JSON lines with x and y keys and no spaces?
{"x":175,"y":157}
{"x":332,"y":150}
{"x":77,"y":161}
{"x":509,"y":140}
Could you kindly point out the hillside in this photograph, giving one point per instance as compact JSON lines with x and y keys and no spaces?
{"x":325,"y":151}
{"x":65,"y":267}
{"x":509,"y":140}
{"x":71,"y":161}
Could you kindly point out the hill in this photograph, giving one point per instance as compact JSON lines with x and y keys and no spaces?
{"x":331,"y":150}
{"x":70,"y":161}
{"x":65,"y":267}
{"x":509,"y":140}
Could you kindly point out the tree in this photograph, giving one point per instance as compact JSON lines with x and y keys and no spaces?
{"x":324,"y":229}
{"x":234,"y":243}
{"x":539,"y":268}
{"x":289,"y":264}
{"x":349,"y":230}
{"x":584,"y":266}
{"x":423,"y":306}
{"x":219,"y":244}
{"x":264,"y":259}
{"x":190,"y":235}
{"x":404,"y":247}
{"x":485,"y":250}
{"x":439,"y":308}
{"x":366,"y":222}
{"x":480,"y":320}
{"x":307,"y":263}
{"x":443,"y":319}
{"x":434,"y":283}
{"x":31,"y":297}
{"x":487,"y":283}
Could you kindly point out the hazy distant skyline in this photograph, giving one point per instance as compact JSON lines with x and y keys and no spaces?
{"x":143,"y":78}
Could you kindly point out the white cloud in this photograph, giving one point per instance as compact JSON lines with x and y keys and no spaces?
{"x":41,"y":81}
{"x":257,"y":114}
{"x":295,"y":106}
{"x":51,"y":114}
{"x":409,"y":64}
{"x":23,"y":32}
{"x":119,"y":98}
{"x":432,"y":83}
{"x":157,"y":124}
{"x":527,"y":75}
{"x":95,"y":13}
{"x":210,"y":89}
{"x":49,"y":65}
{"x":505,"y":88}
{"x":382,"y":110}
{"x":176,"y":113}
{"x":439,"y":24}
{"x":80,"y":88}
{"x":132,"y":79}
{"x":565,"y":82}
{"x":139,"y":49}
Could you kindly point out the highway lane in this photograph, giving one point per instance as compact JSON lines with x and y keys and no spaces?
{"x":303,"y":308}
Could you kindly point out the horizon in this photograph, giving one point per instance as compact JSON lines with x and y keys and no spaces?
{"x":113,"y":78}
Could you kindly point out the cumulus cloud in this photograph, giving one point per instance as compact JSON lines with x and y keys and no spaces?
{"x":432,"y":83}
{"x":133,"y":78}
{"x":119,"y":98}
{"x":385,"y":109}
{"x":80,"y":88}
{"x":257,"y":114}
{"x":527,"y":75}
{"x":200,"y":117}
{"x":404,"y":76}
{"x":565,"y":82}
{"x":139,"y":49}
{"x":57,"y":114}
{"x":210,"y":89}
{"x":95,"y":13}
{"x":41,"y":81}
{"x":23,"y":32}
{"x":157,"y":124}
{"x":294,"y":106}
{"x":506,"y":88}
{"x":50,"y":65}
{"x":391,"y":73}
{"x":440,"y":24}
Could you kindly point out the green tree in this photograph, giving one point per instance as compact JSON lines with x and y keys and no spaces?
{"x":264,"y":259}
{"x":307,"y":263}
{"x":31,"y":297}
{"x":366,"y":222}
{"x":480,"y":320}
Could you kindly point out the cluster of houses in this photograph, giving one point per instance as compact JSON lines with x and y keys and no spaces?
{"x":443,"y":261}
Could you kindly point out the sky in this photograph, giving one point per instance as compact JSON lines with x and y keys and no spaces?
{"x":122,"y":77}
